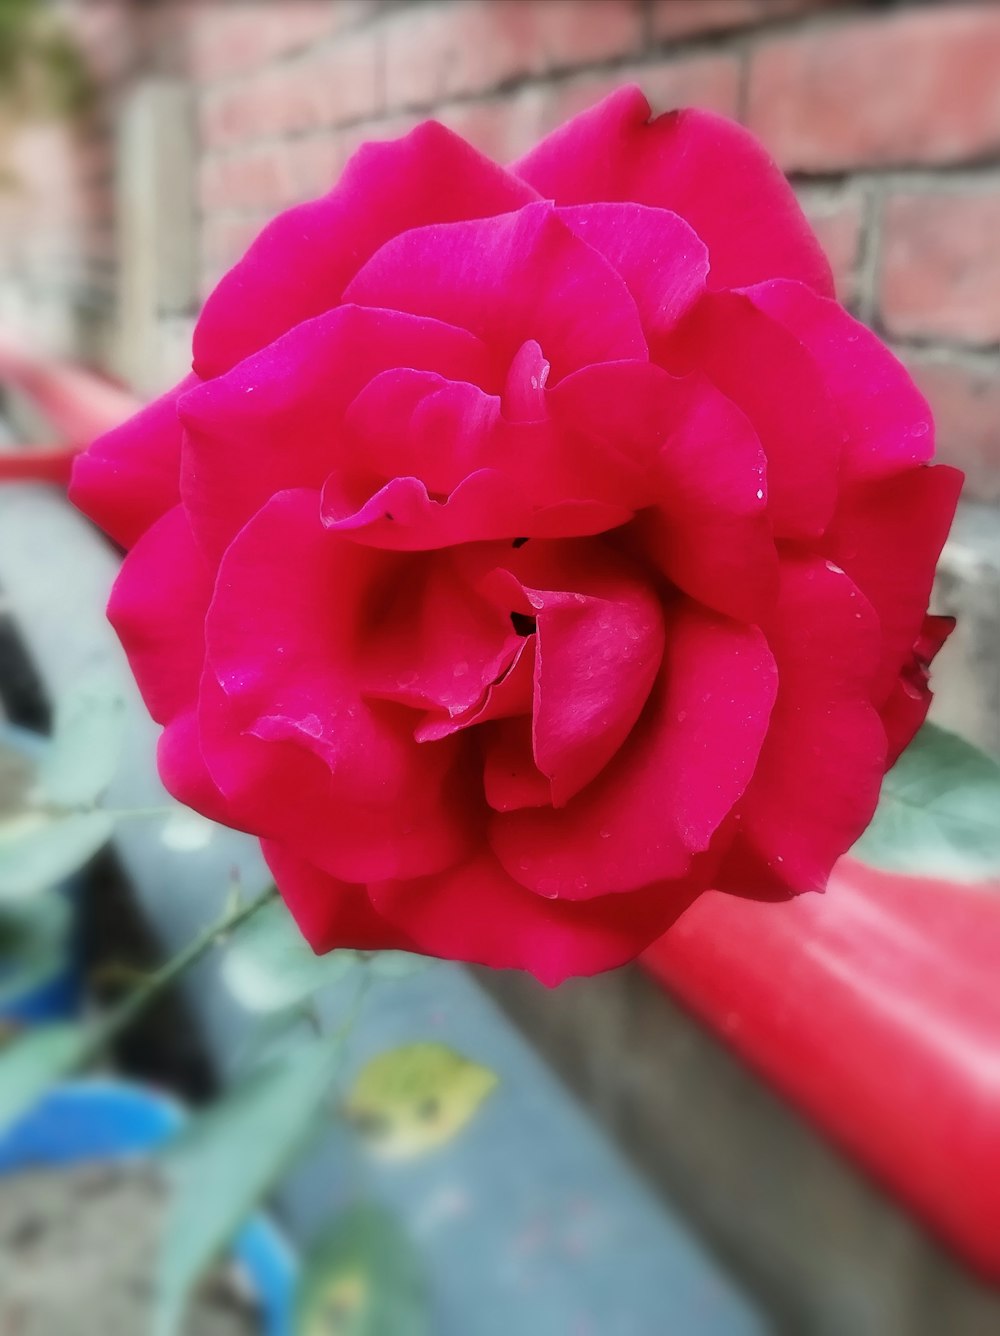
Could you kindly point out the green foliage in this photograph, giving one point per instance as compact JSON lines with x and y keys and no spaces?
{"x":35,"y":1061}
{"x":54,"y":829}
{"x":38,"y":849}
{"x":228,"y":1157}
{"x":41,"y":67}
{"x":362,"y":1277}
{"x":33,"y":942}
{"x":86,"y":743}
{"x":939,"y":813}
{"x":270,"y":967}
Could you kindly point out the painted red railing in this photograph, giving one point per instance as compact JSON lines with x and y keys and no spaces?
{"x":77,"y":404}
{"x":874,"y":1008}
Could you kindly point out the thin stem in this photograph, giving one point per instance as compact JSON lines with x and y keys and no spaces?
{"x":126,"y":1011}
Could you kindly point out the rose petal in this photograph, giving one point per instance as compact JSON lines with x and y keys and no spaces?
{"x":287,"y":733}
{"x":508,"y":279}
{"x":599,"y":650}
{"x":184,"y":774}
{"x":476,"y":912}
{"x":300,"y":264}
{"x":888,"y":421}
{"x":909,"y":700}
{"x":661,"y":258}
{"x":887,"y":535}
{"x":661,"y":799}
{"x":704,"y":483}
{"x":821,"y":766}
{"x":432,"y":640}
{"x":129,"y":477}
{"x":157,"y":607}
{"x":711,"y":172}
{"x":275,"y":421}
{"x":331,"y":914}
{"x":775,"y":381}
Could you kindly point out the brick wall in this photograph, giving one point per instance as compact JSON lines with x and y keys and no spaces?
{"x":886,"y":115}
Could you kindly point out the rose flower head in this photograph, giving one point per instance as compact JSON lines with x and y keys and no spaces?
{"x":531,"y":549}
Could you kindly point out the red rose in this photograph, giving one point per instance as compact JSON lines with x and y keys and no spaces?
{"x":532,"y":548}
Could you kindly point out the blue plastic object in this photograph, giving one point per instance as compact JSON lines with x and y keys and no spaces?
{"x":112,"y":1120}
{"x":58,"y":996}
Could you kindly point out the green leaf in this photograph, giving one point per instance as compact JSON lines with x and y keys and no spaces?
{"x":412,"y":1099}
{"x":227,"y":1159}
{"x":35,"y":1061}
{"x":939,"y":813}
{"x":362,"y":1277}
{"x":38,"y":849}
{"x":34,"y":941}
{"x":86,"y":745}
{"x":396,"y":964}
{"x":269,"y":966}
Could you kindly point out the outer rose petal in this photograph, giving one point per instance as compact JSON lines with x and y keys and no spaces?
{"x":331,"y":914}
{"x":661,"y":258}
{"x":661,"y":800}
{"x":274,"y":421}
{"x":129,"y":477}
{"x":710,"y":171}
{"x":158,"y":607}
{"x":821,"y":766}
{"x":300,"y":264}
{"x":774,"y":380}
{"x":184,"y":773}
{"x":509,"y":279}
{"x":910,"y":698}
{"x":888,"y":421}
{"x":888,"y":535}
{"x":476,"y":912}
{"x":288,"y":735}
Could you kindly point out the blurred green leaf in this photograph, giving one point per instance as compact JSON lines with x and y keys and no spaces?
{"x":38,"y":849}
{"x":362,"y":1277}
{"x":939,"y":813}
{"x":35,"y":1061}
{"x":411,"y":1099}
{"x":34,"y":941}
{"x":396,"y":964}
{"x":269,"y":966}
{"x":86,"y":745}
{"x":226,"y":1160}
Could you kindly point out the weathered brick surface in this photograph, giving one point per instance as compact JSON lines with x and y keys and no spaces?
{"x":688,"y":18}
{"x":964,"y":392}
{"x":917,"y":85}
{"x":940,"y":265}
{"x":838,"y":219}
{"x":435,"y":52}
{"x":887,"y":116}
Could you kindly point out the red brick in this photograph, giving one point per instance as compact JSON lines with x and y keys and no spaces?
{"x":508,"y":126}
{"x":254,"y":178}
{"x":709,"y":81}
{"x":916,"y":86}
{"x":939,"y":272}
{"x":334,"y":85}
{"x":964,"y":393}
{"x":438,"y":52}
{"x":837,"y":218}
{"x":230,"y":37}
{"x":686,"y":18}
